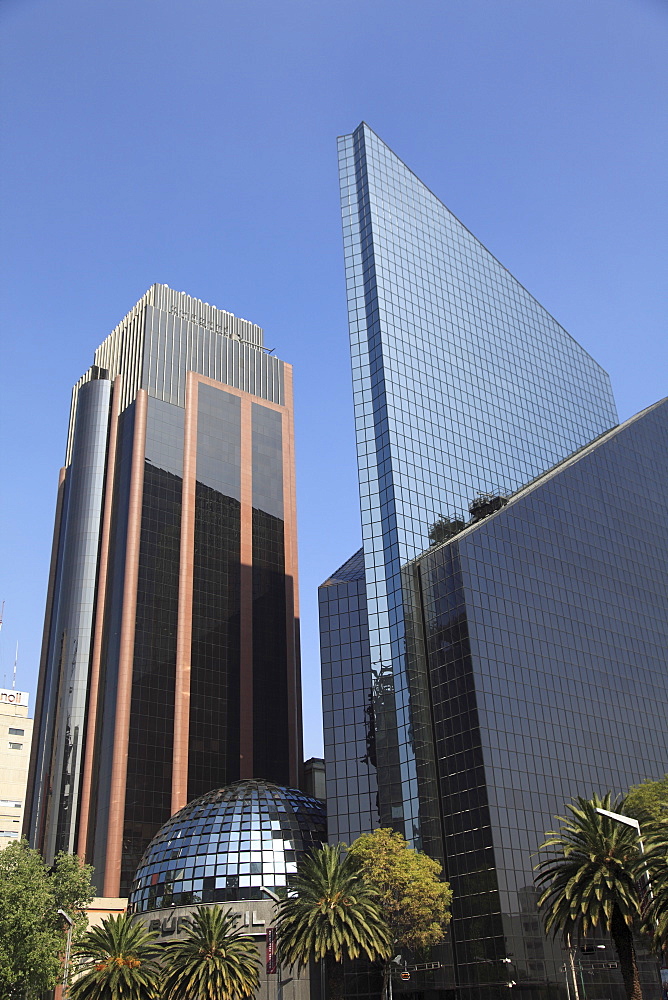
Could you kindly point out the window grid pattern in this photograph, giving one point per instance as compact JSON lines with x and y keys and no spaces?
{"x":546,"y":631}
{"x":213,"y":748}
{"x":150,"y":744}
{"x":270,"y":650}
{"x":227,"y":844}
{"x":463,"y":384}
{"x":104,"y":736}
{"x":347,"y":704}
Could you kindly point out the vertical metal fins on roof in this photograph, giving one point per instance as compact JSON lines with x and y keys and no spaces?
{"x":169,"y":333}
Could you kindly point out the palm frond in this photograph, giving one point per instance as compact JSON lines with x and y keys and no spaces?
{"x":214,"y":961}
{"x":117,"y":961}
{"x":330,"y":912}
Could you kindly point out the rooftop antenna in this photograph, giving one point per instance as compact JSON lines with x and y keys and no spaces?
{"x":2,"y":614}
{"x":16,"y":660}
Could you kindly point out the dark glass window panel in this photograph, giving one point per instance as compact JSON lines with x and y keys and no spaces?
{"x":214,"y":686}
{"x":150,"y":743}
{"x":270,"y":666}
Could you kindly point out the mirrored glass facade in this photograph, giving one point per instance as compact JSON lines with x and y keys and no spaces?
{"x":228,"y":844}
{"x":463,"y":385}
{"x":510,"y":610}
{"x":541,"y":633}
{"x":60,"y":726}
{"x":174,"y":561}
{"x":348,"y":704}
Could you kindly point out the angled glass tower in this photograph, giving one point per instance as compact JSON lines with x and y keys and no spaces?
{"x":463,"y":386}
{"x":170,"y":662}
{"x":498,"y":645}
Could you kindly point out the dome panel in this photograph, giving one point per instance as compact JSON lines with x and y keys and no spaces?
{"x":226,"y":845}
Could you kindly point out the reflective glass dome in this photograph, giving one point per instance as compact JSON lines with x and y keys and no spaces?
{"x":225,"y":845}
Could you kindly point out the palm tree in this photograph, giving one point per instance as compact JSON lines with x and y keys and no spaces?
{"x":331,"y":914}
{"x":214,"y":961}
{"x":593,"y":880}
{"x":655,"y":835}
{"x":116,"y":961}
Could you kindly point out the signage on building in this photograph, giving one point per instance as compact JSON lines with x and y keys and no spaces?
{"x":10,"y":697}
{"x":272,"y":964}
{"x":178,"y":921}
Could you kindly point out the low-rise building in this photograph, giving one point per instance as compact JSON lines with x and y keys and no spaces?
{"x":15,"y":740}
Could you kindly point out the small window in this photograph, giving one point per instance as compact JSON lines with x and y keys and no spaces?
{"x":16,"y":746}
{"x":16,"y":732}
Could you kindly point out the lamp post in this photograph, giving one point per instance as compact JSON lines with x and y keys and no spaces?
{"x":628,"y":821}
{"x":571,"y":962}
{"x":68,"y":949}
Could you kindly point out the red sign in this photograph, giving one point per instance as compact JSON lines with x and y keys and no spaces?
{"x":272,"y":964}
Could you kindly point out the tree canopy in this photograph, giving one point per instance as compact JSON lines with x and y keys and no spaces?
{"x":648,"y":801}
{"x":32,"y":934}
{"x":415,"y":902}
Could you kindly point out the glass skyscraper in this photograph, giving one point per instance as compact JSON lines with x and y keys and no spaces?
{"x":463,"y":385}
{"x":466,"y":391}
{"x":170,"y":661}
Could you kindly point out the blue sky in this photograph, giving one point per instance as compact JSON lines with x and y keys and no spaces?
{"x":192,"y":142}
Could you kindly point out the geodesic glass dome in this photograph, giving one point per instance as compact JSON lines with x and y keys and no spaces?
{"x":227,"y":844}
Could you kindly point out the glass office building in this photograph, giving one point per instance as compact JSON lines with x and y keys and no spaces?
{"x":541,"y":635}
{"x":170,"y":657}
{"x":463,"y":386}
{"x":489,"y":648}
{"x":348,"y":704}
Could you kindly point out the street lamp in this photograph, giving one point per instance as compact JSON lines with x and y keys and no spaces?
{"x":68,"y":949}
{"x":628,"y":821}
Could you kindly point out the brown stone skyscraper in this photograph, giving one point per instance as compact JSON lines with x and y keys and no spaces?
{"x":170,"y":662}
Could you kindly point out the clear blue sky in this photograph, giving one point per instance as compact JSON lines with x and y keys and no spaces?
{"x":192,"y":142}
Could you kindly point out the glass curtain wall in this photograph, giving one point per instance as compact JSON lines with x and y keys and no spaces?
{"x":463,"y":385}
{"x":545,"y":643}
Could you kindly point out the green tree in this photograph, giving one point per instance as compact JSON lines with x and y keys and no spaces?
{"x":117,"y":961}
{"x":415,"y":902}
{"x":214,"y":961}
{"x":648,"y":802}
{"x":591,"y":880}
{"x":32,"y":934}
{"x":331,"y":915}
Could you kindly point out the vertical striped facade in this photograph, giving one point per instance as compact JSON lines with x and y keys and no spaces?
{"x":170,"y":661}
